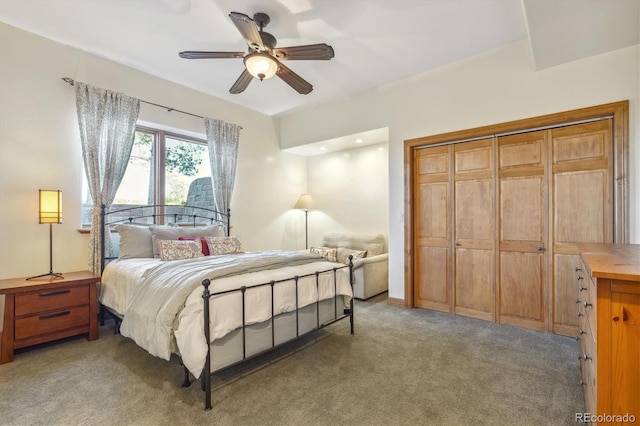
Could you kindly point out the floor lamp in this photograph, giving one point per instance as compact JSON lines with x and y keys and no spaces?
{"x":50,"y":212}
{"x":305,"y":202}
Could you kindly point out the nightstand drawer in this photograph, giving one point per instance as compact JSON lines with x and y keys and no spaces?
{"x":47,"y":300}
{"x":51,"y":321}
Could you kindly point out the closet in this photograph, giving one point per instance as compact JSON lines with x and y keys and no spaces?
{"x":495,"y":217}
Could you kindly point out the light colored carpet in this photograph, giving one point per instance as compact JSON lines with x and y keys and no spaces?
{"x":403,"y":367}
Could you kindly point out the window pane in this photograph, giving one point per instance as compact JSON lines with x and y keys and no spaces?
{"x":137,"y":184}
{"x":187,"y":176}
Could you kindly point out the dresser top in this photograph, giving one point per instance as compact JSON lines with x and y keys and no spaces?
{"x":613,"y":261}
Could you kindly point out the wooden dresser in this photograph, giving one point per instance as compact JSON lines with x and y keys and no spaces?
{"x":46,"y":309}
{"x":608,"y":304}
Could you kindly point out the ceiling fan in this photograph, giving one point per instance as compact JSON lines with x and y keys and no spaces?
{"x":263,"y":58}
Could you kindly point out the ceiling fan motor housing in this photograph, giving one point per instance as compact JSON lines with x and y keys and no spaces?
{"x":268,"y":40}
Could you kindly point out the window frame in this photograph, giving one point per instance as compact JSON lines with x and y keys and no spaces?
{"x":159,"y":157}
{"x":158,"y":162}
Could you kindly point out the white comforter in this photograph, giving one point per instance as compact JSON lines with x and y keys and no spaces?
{"x":167,"y":301}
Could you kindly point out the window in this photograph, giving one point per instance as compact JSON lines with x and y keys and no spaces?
{"x":164,"y":168}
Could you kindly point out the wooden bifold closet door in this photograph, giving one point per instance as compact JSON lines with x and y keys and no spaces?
{"x":496,"y":222}
{"x":523,"y":228}
{"x":474,"y":196}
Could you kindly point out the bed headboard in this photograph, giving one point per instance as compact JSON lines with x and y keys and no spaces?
{"x":159,"y":214}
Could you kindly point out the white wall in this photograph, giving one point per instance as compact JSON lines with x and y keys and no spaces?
{"x":40,"y":148}
{"x":496,"y":87}
{"x":350,"y":190}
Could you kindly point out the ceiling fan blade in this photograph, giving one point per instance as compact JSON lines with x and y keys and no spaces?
{"x":248,"y":30}
{"x":299,"y":84}
{"x":190,"y":54}
{"x":320,"y":51}
{"x":241,"y":83}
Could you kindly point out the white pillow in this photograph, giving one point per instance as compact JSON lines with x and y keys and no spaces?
{"x":135,"y":241}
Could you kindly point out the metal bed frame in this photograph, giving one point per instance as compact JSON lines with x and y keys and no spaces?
{"x":137,"y":213}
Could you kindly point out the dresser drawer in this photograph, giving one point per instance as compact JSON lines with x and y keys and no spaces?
{"x":51,"y":321}
{"x":46,"y":300}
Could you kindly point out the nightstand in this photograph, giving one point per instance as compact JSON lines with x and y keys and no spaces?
{"x":46,"y":309}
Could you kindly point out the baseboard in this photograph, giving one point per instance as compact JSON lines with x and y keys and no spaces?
{"x":396,"y":302}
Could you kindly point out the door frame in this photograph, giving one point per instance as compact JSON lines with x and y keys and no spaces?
{"x":618,"y":111}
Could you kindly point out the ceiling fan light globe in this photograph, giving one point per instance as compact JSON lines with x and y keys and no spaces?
{"x":261,"y":65}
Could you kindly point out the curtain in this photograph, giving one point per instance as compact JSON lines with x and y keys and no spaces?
{"x":222,"y":139}
{"x":107,"y":123}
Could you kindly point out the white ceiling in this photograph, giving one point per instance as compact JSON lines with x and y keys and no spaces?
{"x":376,"y":42}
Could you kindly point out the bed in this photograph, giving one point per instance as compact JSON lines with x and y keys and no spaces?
{"x":177,"y":282}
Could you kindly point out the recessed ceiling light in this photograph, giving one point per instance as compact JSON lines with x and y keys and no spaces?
{"x":358,"y":140}
{"x":323,"y":148}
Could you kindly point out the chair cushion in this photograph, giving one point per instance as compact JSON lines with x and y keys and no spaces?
{"x":374,"y":244}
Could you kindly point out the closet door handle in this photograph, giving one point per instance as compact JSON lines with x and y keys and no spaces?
{"x":457,"y":244}
{"x":540,"y":249}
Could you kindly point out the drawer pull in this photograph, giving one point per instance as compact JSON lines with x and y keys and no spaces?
{"x":581,"y":332}
{"x":55,"y":293}
{"x":55,"y":314}
{"x":582,"y":383}
{"x":584,"y":357}
{"x":579,"y":314}
{"x":578,"y":269}
{"x":580,"y":278}
{"x":587,"y":304}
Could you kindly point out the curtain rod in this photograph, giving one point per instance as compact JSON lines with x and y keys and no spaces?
{"x":71,"y":82}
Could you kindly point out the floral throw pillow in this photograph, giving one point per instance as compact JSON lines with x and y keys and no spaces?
{"x":223,"y":245}
{"x":177,"y":250}
{"x":331,"y":254}
{"x":356,"y":254}
{"x":203,"y":242}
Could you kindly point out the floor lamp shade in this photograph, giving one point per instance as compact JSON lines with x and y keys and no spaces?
{"x":305,"y":202}
{"x":50,"y":206}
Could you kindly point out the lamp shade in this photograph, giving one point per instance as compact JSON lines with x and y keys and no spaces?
{"x":305,"y":202}
{"x":261,"y":65}
{"x":50,"y":206}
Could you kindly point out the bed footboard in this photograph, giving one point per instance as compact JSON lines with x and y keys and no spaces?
{"x":206,"y":295}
